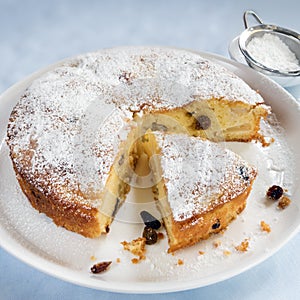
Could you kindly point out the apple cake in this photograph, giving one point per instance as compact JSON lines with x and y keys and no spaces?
{"x":70,"y":132}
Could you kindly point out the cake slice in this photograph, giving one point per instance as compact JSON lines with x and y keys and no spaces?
{"x":215,"y":119}
{"x":199,"y":186}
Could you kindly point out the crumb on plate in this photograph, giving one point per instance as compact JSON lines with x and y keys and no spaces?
{"x":160,"y":236}
{"x":217,"y":243}
{"x":265,"y":227}
{"x":284,"y":202}
{"x":226,"y":252}
{"x":137,"y":248}
{"x":135,"y":260}
{"x":243,"y":246}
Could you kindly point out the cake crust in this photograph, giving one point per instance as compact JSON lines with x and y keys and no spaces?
{"x":184,"y":234}
{"x":71,"y":215}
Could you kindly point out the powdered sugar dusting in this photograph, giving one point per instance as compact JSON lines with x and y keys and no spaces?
{"x":65,"y":131}
{"x":64,"y":135}
{"x":164,"y":78}
{"x":200,"y":174}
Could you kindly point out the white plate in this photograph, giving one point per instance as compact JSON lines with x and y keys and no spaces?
{"x":34,"y":239}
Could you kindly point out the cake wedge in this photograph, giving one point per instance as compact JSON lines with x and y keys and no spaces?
{"x":199,"y":186}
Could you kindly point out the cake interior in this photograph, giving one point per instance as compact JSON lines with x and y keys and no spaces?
{"x":118,"y":183}
{"x":200,"y":225}
{"x":214,"y":119}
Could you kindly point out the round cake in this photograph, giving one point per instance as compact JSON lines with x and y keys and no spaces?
{"x":70,"y":133}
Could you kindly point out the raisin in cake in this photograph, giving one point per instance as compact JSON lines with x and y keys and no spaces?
{"x":199,"y":188}
{"x":70,"y":131}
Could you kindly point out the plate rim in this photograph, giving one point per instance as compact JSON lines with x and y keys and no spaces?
{"x":63,"y":273}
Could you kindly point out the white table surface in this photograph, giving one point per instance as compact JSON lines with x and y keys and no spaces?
{"x":34,"y":34}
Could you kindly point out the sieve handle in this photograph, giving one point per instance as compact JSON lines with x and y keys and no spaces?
{"x":254,"y":15}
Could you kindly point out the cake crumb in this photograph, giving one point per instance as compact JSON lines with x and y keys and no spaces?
{"x":93,"y":258}
{"x":180,"y":262}
{"x":118,"y":260}
{"x":265,"y":227}
{"x":201,"y":252}
{"x":284,"y":202}
{"x":243,"y":246}
{"x":160,"y":236}
{"x":135,"y":260}
{"x":217,"y":243}
{"x":226,"y":252}
{"x":137,"y":248}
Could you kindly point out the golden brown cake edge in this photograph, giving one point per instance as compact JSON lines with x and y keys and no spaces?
{"x":73,"y":216}
{"x":184,"y":235}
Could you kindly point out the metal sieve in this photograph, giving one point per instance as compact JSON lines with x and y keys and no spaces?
{"x":289,"y":37}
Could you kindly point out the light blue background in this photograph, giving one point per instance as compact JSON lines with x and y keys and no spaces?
{"x":34,"y":34}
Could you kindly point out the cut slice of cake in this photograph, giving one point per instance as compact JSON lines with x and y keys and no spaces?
{"x":117,"y":184}
{"x":213,"y":119}
{"x":199,"y":187}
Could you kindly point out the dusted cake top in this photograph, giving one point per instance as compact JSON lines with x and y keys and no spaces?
{"x":65,"y":130}
{"x":200,"y":175}
{"x":160,"y":78}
